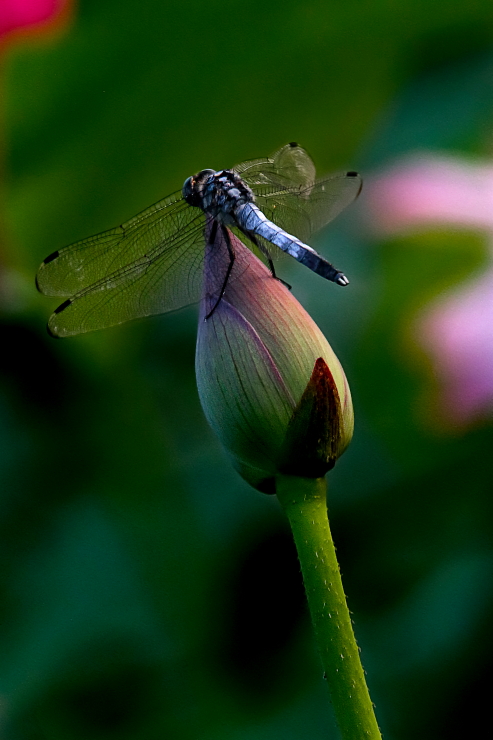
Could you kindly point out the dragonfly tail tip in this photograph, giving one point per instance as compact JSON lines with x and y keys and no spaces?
{"x":341,"y":279}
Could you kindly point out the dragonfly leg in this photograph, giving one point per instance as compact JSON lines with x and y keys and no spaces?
{"x":269,"y":260}
{"x":271,"y":268}
{"x":232,"y":258}
{"x":212,"y":235}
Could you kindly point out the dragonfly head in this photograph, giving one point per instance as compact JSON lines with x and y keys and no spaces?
{"x":193,"y":186}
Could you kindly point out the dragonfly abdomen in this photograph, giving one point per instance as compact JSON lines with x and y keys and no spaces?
{"x":318,"y":264}
{"x":251,"y":219}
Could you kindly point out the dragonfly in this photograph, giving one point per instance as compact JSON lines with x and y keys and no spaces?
{"x":154,"y":263}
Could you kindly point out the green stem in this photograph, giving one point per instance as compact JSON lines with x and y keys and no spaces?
{"x":304,"y":502}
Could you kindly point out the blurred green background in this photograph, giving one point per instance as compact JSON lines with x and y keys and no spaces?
{"x":145,"y":590}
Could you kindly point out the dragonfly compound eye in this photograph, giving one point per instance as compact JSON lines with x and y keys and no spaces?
{"x":192,"y":187}
{"x":189,"y":193}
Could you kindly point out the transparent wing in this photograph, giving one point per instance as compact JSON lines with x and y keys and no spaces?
{"x":303,"y":211}
{"x":291,"y":166}
{"x":79,"y":265}
{"x":165,"y":278}
{"x":287,"y":192}
{"x":153,"y":263}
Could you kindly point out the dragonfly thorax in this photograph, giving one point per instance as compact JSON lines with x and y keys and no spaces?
{"x":218,"y":194}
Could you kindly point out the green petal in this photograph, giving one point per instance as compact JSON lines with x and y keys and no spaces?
{"x":242,"y":392}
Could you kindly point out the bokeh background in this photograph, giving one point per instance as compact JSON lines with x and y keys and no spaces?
{"x":145,"y":590}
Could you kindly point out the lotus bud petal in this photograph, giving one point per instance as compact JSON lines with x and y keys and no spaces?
{"x":270,"y":385}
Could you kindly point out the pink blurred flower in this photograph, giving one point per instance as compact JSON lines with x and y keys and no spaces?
{"x":458,"y":333}
{"x":18,"y":15}
{"x":432,"y":189}
{"x":457,"y":330}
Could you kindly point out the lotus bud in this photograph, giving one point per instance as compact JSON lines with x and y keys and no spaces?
{"x":270,"y":385}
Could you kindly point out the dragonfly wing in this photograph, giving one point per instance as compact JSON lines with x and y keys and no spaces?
{"x":166,"y":278}
{"x":287,"y":191}
{"x":79,"y":265}
{"x":291,"y":166}
{"x":253,"y":168}
{"x":302,"y":211}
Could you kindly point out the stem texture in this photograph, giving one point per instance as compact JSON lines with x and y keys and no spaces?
{"x":304,"y":502}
